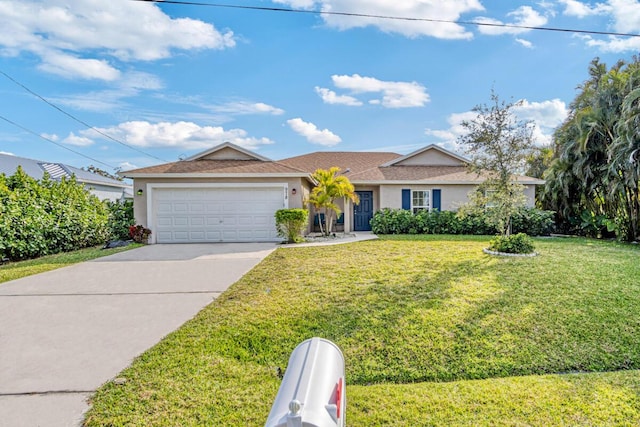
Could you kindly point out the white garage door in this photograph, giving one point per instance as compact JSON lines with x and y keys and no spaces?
{"x":189,"y":215}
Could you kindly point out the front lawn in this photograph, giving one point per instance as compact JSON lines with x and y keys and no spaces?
{"x":434,"y":332}
{"x":16,"y":270}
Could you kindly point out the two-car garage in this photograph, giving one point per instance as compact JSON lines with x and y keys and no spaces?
{"x":215,"y":213}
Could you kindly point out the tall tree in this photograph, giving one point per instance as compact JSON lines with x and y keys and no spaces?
{"x":498,"y":144}
{"x":593,"y":180}
{"x":330,"y":186}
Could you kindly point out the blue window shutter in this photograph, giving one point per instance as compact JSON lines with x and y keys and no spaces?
{"x":406,"y":199}
{"x":436,"y":195}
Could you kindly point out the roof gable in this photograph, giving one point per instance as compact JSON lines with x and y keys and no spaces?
{"x":227,"y":151}
{"x":431,"y":155}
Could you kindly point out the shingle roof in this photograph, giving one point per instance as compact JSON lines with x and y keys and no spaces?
{"x":218,"y":167}
{"x":363,"y":167}
{"x":355,"y":161}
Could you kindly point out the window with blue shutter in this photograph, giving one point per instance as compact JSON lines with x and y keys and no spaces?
{"x":406,"y":199}
{"x":436,"y":199}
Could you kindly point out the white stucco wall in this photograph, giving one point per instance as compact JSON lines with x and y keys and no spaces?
{"x":452,"y":196}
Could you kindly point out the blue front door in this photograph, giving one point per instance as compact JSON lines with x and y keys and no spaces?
{"x":363,"y":212}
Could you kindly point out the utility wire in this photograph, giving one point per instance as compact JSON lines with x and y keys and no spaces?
{"x":53,"y":142}
{"x":79,"y":120}
{"x":397,"y":18}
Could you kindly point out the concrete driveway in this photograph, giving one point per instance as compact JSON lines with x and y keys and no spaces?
{"x":64,"y":333}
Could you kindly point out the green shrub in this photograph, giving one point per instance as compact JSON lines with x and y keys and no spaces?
{"x":398,"y":221}
{"x":513,"y":244}
{"x":120,"y":219}
{"x":534,"y":222}
{"x":291,"y":223}
{"x":40,"y":217}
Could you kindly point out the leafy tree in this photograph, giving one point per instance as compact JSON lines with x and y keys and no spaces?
{"x":498,"y":144}
{"x":593,"y":179}
{"x":330,"y":186}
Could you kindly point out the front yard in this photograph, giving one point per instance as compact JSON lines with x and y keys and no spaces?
{"x":434,"y":332}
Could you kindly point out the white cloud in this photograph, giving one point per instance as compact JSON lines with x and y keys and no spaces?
{"x":545,"y":116}
{"x":615,"y":44}
{"x":51,"y":136}
{"x":80,"y":141}
{"x":313,"y":134}
{"x":330,"y":97}
{"x":6,"y":153}
{"x":246,"y":107}
{"x":624,"y":16}
{"x":523,"y":16}
{"x":525,"y":43}
{"x":582,"y":10}
{"x":127,"y":166}
{"x":394,"y":94}
{"x":129,"y":85}
{"x":68,"y":36}
{"x":298,"y":4}
{"x":186,"y":135}
{"x":429,"y":9}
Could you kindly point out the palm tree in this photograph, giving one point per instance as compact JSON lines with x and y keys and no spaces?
{"x":330,"y":186}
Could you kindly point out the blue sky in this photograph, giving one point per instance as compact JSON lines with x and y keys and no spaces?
{"x":167,"y":81}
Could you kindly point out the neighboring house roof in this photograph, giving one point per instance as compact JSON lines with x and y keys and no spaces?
{"x":429,"y":165}
{"x":36,"y":169}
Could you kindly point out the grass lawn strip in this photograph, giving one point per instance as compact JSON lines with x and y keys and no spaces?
{"x":17,"y":270}
{"x":405,"y":310}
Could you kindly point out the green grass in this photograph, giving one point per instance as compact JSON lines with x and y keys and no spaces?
{"x":434,"y":332}
{"x":17,"y":270}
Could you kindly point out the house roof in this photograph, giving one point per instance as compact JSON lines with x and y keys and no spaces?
{"x":36,"y":169}
{"x":354,"y":161}
{"x":217,"y":167}
{"x":429,"y":165}
{"x":430,"y":147}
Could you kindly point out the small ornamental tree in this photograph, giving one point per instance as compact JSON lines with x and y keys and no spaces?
{"x":499,"y":145}
{"x":291,"y":223}
{"x":330,"y":186}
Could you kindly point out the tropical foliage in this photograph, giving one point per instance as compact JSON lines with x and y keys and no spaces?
{"x":46,"y":216}
{"x":498,"y":145}
{"x":593,"y":180}
{"x":291,"y":223}
{"x":120,"y":219}
{"x":330,"y":186}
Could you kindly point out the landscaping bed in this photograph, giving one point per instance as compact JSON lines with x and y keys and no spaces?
{"x":433,"y":330}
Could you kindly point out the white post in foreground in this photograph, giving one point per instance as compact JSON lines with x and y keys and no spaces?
{"x":313,"y":390}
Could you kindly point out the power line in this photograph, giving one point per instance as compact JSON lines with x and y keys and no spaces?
{"x":53,"y":142}
{"x":397,"y":18}
{"x":79,"y":120}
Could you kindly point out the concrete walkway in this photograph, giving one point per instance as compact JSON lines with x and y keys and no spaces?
{"x":66,"y":332}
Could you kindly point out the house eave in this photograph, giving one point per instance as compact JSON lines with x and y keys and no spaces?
{"x":214,"y":175}
{"x":435,"y":182}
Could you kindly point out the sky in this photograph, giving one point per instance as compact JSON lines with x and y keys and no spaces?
{"x":122,"y":84}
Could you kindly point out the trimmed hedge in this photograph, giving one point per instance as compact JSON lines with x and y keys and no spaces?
{"x":120,"y":219}
{"x":532,"y":221}
{"x":291,"y":223}
{"x":46,"y":216}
